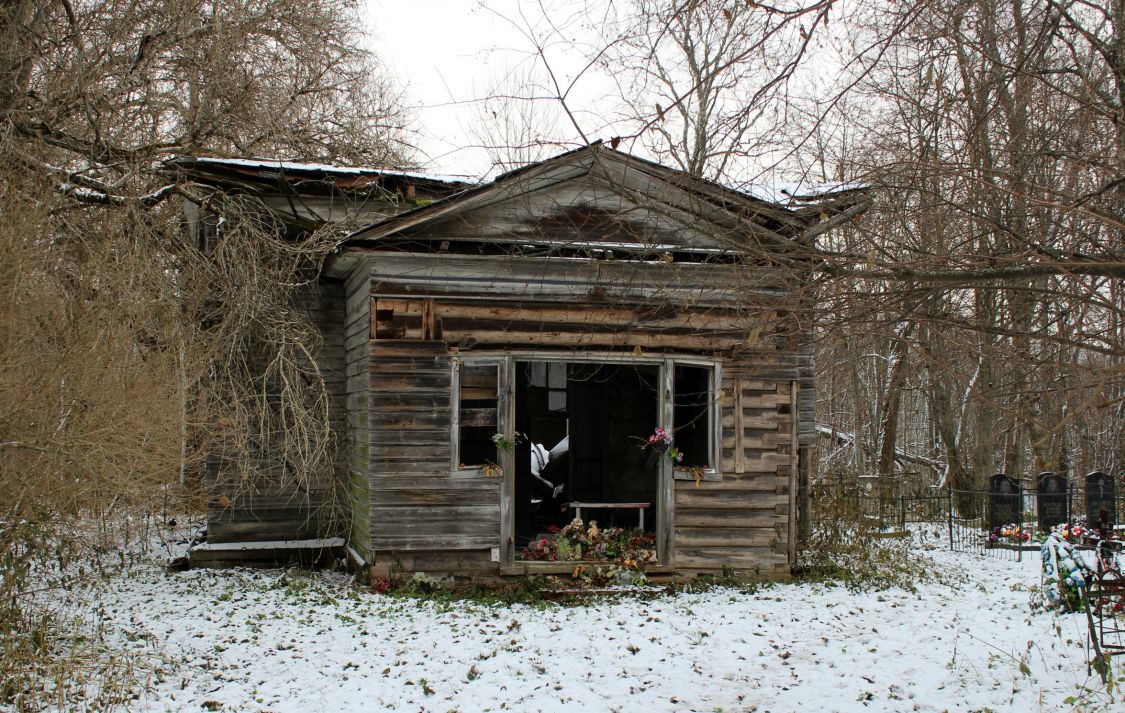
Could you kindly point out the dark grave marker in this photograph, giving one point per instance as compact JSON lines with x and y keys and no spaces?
{"x":1101,"y":496}
{"x":1051,"y":500}
{"x":1003,"y":501}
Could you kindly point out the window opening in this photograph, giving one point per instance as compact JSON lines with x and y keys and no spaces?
{"x":478,"y":414}
{"x":692,"y":415}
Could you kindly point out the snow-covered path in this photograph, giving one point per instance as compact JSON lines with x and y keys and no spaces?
{"x":270,"y":641}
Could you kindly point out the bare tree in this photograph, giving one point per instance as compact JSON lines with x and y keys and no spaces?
{"x":994,"y":231}
{"x":707,"y":80}
{"x":120,"y":338}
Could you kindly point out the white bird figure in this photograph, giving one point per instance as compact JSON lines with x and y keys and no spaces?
{"x":540,"y":457}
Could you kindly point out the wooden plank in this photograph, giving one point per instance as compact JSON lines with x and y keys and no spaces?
{"x":467,"y":479}
{"x":731,"y":499}
{"x":411,"y":402}
{"x":394,"y":543}
{"x":391,"y":422}
{"x":753,"y":419}
{"x":409,"y":349}
{"x":728,"y":518}
{"x":579,"y":339}
{"x":408,"y":436}
{"x":450,"y":497}
{"x":407,"y":465}
{"x":478,"y":394}
{"x":405,"y":458}
{"x":727,"y":537}
{"x":479,"y":417}
{"x":715,"y":558}
{"x":502,"y":279}
{"x":792,"y":515}
{"x":707,"y":320}
{"x":739,"y":429}
{"x":739,"y":483}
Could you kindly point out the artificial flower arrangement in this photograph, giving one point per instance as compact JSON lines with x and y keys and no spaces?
{"x":1064,"y":575}
{"x":1012,"y":533}
{"x":629,"y":548}
{"x":505,"y":442}
{"x":1070,"y":533}
{"x":661,"y":442}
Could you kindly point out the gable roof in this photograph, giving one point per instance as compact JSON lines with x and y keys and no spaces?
{"x":603,"y":186}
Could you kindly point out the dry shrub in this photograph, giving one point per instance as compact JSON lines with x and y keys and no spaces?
{"x":124,"y":353}
{"x":93,"y":370}
{"x":121,"y":345}
{"x":843,"y":546}
{"x":264,"y":397}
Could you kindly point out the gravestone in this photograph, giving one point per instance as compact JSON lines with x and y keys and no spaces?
{"x":1003,"y":501}
{"x":1101,"y":494}
{"x":1052,"y":500}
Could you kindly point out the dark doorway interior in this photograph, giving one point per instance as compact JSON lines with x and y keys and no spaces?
{"x":586,"y":425}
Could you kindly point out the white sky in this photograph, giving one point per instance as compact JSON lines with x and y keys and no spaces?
{"x":448,"y":54}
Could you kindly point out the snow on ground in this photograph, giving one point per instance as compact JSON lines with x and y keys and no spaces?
{"x":244,"y":640}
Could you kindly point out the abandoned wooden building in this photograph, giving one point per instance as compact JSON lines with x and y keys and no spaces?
{"x":592,"y":336}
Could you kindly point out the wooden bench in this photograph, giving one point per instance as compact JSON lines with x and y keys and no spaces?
{"x":639,"y":507}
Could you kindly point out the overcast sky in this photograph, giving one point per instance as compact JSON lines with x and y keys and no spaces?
{"x":452,"y":57}
{"x":450,"y":54}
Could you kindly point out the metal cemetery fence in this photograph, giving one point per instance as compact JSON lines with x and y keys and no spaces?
{"x":1000,"y":521}
{"x":1004,"y":521}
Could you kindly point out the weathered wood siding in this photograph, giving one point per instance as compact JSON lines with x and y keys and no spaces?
{"x":269,"y":505}
{"x":420,"y":314}
{"x":418,"y":503}
{"x":357,"y":333}
{"x":741,"y":520}
{"x":584,"y":211}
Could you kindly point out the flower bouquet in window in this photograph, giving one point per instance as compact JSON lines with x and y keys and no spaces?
{"x":661,"y":443}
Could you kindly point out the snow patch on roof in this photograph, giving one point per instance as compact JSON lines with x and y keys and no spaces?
{"x":298,"y":166}
{"x":790,"y":192}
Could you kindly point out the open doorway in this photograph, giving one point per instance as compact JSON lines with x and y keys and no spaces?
{"x":585,"y":427}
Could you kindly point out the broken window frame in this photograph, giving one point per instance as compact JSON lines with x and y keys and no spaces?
{"x":503,"y":369}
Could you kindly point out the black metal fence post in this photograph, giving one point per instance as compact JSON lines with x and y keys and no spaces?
{"x":1019,"y":508}
{"x":949,"y":511}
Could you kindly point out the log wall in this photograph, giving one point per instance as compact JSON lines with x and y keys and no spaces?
{"x":741,"y":519}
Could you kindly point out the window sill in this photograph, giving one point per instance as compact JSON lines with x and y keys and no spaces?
{"x":709,"y":475}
